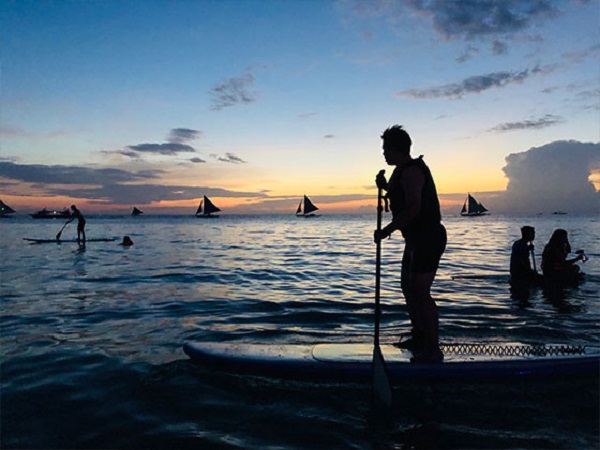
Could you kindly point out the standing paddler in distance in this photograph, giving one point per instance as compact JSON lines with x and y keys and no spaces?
{"x":76,"y":214}
{"x":416,"y":213}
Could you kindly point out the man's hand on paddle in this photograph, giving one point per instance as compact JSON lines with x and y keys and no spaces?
{"x":380,"y":181}
{"x":380,"y":235}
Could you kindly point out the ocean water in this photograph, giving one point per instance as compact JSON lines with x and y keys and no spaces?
{"x":91,"y":337}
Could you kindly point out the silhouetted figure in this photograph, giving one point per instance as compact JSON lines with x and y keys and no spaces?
{"x":76,"y":214}
{"x":416,"y":213}
{"x":126,"y":241}
{"x":555,"y":265}
{"x":521,"y":272}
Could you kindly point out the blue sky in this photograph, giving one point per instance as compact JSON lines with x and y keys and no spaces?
{"x":110,"y":104}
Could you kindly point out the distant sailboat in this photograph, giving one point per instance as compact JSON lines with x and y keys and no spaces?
{"x":306,"y":208}
{"x":209,"y":209}
{"x":5,"y":210}
{"x":136,"y":212}
{"x":472,"y":207}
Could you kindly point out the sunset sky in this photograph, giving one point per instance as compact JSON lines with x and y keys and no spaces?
{"x":110,"y":104}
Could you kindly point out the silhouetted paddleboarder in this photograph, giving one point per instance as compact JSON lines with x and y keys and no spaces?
{"x":76,"y":214}
{"x":416,"y":213}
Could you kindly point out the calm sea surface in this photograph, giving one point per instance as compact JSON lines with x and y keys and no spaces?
{"x":91,"y":337}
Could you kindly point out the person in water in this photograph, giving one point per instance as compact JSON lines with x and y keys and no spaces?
{"x":555,"y":265}
{"x":76,"y":214}
{"x":521,"y":272}
{"x":126,"y":241}
{"x":416,"y":213}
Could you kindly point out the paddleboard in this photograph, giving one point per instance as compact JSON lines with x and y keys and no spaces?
{"x":63,"y":241}
{"x":353,"y":362}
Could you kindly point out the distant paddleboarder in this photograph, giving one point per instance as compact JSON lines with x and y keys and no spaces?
{"x":76,"y":214}
{"x":416,"y":213}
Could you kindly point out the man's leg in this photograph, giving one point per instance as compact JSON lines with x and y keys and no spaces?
{"x":426,"y":312}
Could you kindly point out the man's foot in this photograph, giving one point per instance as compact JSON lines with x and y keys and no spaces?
{"x":428,"y":358}
{"x":413,"y":343}
{"x":408,"y":344}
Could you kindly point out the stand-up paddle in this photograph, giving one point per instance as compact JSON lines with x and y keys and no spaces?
{"x":382,"y":388}
{"x":61,"y":230}
{"x":532,"y":258}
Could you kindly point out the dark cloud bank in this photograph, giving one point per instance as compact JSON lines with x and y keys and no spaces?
{"x":105,"y":185}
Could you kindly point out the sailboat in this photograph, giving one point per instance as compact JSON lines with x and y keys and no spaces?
{"x":136,"y":212}
{"x":5,"y":210}
{"x":306,"y":208}
{"x":472,"y":207}
{"x":209,"y":209}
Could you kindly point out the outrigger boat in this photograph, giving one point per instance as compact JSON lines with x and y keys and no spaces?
{"x":45,"y":214}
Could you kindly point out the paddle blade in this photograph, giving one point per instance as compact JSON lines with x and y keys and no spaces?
{"x":60,"y":232}
{"x":382,"y":388}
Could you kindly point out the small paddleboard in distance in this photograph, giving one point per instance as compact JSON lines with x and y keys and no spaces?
{"x":353,"y":362}
{"x":64,"y":241}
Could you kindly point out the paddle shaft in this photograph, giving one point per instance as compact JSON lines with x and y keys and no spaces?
{"x":382,"y":387}
{"x":378,"y":266}
{"x":533,"y":258}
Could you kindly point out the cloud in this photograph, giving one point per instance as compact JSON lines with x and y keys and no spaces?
{"x":542,"y":122}
{"x":176,"y":143}
{"x":308,"y":116}
{"x":499,"y":48}
{"x":468,"y":19}
{"x":232,"y":92}
{"x":197,"y":160}
{"x":467,"y":54}
{"x":553,"y":177}
{"x":105,"y":185}
{"x":229,"y":158}
{"x":471,"y":85}
{"x":329,"y":136}
{"x":170,"y":148}
{"x":182,"y":135}
{"x":141,"y":194}
{"x":70,"y":175}
{"x":497,"y":22}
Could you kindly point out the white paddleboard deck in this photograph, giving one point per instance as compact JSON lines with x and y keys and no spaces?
{"x":354,"y":361}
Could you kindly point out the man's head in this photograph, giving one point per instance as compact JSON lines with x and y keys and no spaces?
{"x":528,"y":233}
{"x":396,"y":144}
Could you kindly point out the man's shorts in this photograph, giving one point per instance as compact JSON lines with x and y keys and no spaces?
{"x":423,"y":251}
